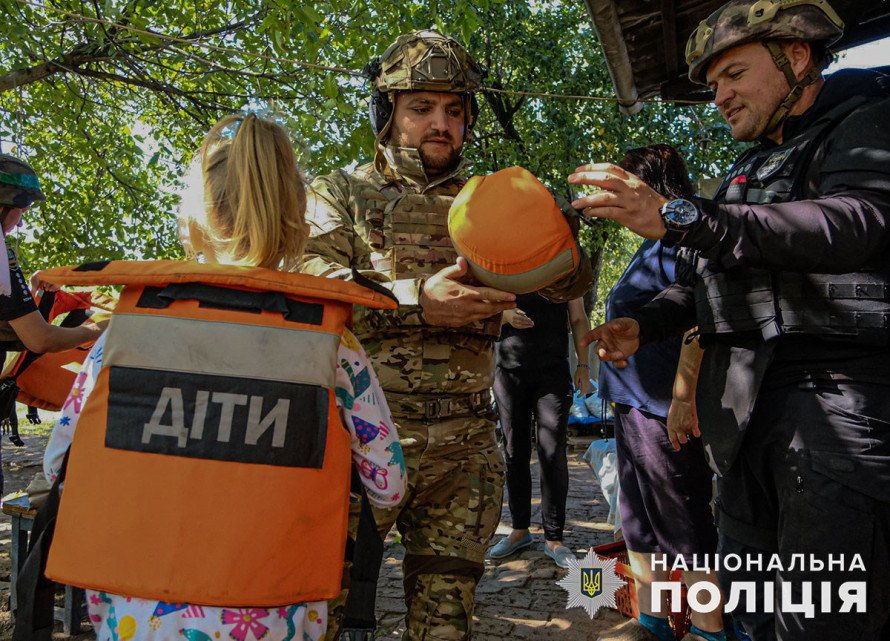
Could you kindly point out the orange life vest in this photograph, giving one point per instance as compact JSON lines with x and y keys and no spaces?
{"x":44,"y":380}
{"x":209,"y":464}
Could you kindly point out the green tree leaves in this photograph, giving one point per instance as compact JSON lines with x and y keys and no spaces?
{"x":109,"y":100}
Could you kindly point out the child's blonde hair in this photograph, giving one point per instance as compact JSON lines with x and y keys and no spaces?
{"x":254,"y":197}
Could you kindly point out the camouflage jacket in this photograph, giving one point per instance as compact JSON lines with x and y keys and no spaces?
{"x":389,"y":222}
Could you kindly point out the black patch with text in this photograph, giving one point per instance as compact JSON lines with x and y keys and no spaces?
{"x":221,"y":418}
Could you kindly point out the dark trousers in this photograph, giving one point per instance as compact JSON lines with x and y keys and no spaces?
{"x":546,"y":395}
{"x":664,"y":496}
{"x":812,"y":478}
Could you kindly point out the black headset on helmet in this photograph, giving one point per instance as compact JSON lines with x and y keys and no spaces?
{"x":380,"y":108}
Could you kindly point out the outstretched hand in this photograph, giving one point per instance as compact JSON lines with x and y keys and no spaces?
{"x":447,"y":301}
{"x":616,"y":340}
{"x":623,"y":197}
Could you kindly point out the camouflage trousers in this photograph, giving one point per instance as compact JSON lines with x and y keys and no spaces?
{"x":446,"y":521}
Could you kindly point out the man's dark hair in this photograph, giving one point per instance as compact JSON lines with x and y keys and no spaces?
{"x":662,"y":168}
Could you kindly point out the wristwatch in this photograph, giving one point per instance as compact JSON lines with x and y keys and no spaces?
{"x":678,"y":216}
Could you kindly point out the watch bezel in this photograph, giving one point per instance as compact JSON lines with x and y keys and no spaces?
{"x":670,"y":209}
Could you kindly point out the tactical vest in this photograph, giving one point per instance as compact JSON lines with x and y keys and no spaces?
{"x":209,"y":464}
{"x":852,"y":307}
{"x":408,"y":236}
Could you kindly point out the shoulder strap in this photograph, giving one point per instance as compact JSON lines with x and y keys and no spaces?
{"x":34,"y":617}
{"x":359,"y":619}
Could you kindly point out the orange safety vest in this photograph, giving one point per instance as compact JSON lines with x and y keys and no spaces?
{"x":45,"y":383}
{"x":209,"y":464}
{"x":44,"y":380}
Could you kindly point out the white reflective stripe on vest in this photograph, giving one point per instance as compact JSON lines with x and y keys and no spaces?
{"x":222,"y":349}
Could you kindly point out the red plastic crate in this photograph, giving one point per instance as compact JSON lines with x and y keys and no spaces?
{"x":626,"y":597}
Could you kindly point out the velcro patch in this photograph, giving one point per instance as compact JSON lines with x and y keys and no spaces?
{"x":220,"y":418}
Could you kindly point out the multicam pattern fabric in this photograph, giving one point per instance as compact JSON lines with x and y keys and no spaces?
{"x":427,"y":61}
{"x":394,"y":231}
{"x":455,"y":481}
{"x":389,"y":222}
{"x":455,"y":487}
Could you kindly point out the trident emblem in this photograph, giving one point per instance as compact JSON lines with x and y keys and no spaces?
{"x":591,"y":582}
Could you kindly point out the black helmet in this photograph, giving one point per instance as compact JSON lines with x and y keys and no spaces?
{"x":19,"y":185}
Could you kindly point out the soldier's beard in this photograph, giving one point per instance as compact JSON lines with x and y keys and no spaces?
{"x":437,"y":162}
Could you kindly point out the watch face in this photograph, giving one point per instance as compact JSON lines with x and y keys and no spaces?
{"x":681,"y":212}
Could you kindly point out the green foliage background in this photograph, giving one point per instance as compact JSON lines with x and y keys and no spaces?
{"x":110,"y":112}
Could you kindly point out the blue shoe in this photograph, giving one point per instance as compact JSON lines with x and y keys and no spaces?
{"x":505,"y":547}
{"x":560,"y":555}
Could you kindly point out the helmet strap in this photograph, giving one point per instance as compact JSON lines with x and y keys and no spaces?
{"x":4,"y":212}
{"x":797,"y":86}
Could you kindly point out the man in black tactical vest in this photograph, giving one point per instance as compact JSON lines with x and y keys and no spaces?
{"x":790,"y":287}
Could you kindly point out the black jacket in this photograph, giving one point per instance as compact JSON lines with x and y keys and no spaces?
{"x":842,"y":225}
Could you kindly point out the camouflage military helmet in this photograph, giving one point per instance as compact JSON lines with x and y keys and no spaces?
{"x":742,"y":21}
{"x":19,"y":185}
{"x":427,"y":61}
{"x":421,"y":61}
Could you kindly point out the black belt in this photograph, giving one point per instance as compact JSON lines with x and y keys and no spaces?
{"x":441,"y":406}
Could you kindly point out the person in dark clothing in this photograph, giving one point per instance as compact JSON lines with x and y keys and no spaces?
{"x":532,"y":380}
{"x":792,"y":290}
{"x":664,"y":495}
{"x":21,"y":324}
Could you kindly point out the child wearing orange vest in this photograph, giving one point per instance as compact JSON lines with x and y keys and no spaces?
{"x":255,"y":205}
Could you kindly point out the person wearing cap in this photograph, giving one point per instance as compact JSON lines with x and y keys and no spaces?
{"x":791,"y":293}
{"x":386,"y":221}
{"x":21,"y":325}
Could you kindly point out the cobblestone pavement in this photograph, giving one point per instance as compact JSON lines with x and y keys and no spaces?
{"x":518,"y":598}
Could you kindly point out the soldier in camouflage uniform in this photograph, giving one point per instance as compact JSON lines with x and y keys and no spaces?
{"x":433,"y":356}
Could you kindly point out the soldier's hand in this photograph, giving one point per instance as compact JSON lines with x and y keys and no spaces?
{"x":622,"y":197}
{"x":448,"y":302}
{"x":616,"y":340}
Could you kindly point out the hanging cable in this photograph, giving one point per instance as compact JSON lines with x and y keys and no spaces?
{"x":171,"y":40}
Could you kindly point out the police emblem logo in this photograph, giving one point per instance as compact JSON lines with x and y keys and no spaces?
{"x":591,"y":583}
{"x":773,"y":164}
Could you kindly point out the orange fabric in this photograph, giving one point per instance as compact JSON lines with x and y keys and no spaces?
{"x":165,"y":272}
{"x":508,"y":223}
{"x":197,"y":530}
{"x":68,"y":301}
{"x":45,"y":383}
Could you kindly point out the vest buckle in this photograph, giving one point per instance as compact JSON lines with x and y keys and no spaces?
{"x":437,"y":408}
{"x":357,"y":634}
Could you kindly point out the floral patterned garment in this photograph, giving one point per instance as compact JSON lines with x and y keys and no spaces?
{"x":376,"y":453}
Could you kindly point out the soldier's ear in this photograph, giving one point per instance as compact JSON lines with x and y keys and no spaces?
{"x":800,"y":55}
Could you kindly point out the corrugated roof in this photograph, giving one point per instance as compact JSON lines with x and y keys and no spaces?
{"x":645,"y":40}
